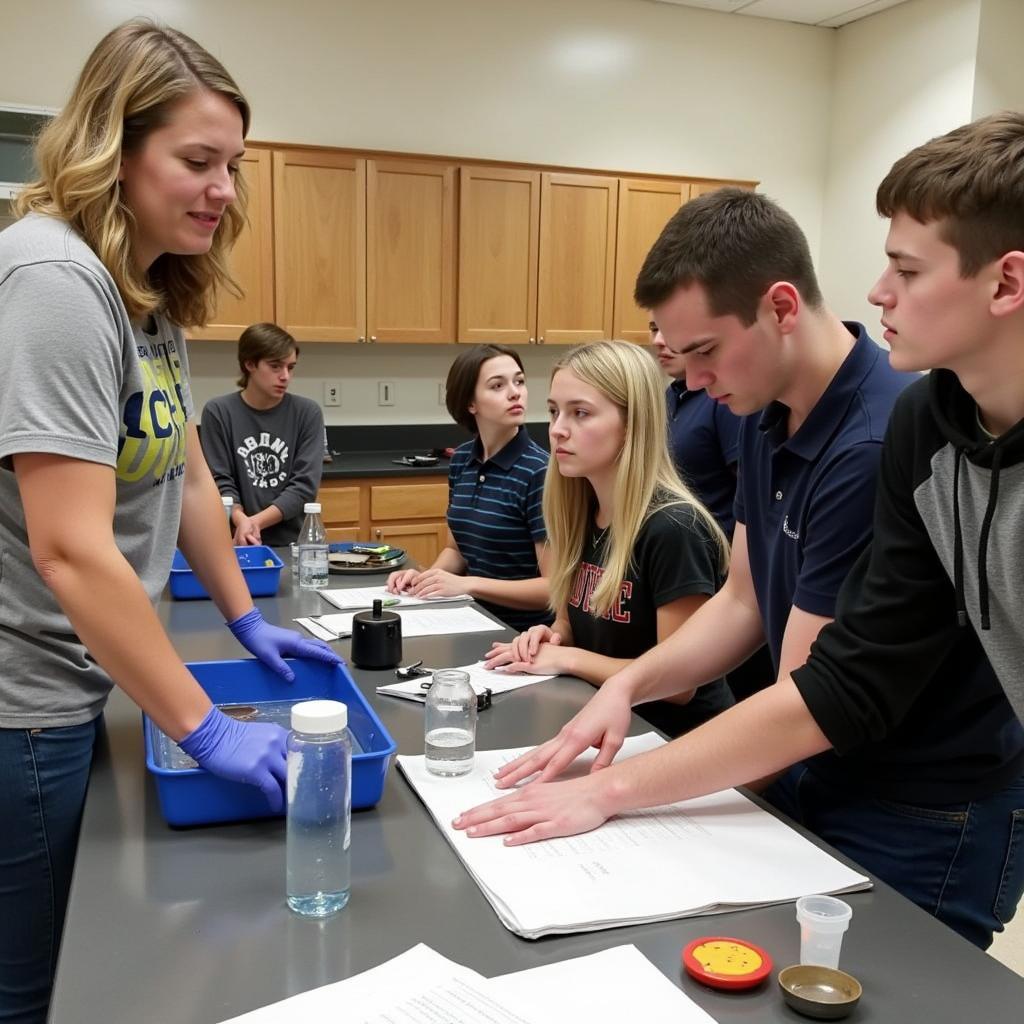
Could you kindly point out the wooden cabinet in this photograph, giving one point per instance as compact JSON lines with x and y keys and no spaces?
{"x":645,"y":206}
{"x":577,"y":258}
{"x":406,"y":512}
{"x":499,"y":231}
{"x":410,"y":251}
{"x":320,"y":244}
{"x":251,"y":259}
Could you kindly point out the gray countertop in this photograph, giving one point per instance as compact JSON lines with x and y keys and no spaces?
{"x":357,"y":464}
{"x":190,"y":926}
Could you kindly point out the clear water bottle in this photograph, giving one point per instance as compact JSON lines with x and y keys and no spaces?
{"x":312,"y":549}
{"x":450,"y":723}
{"x":228,"y":503}
{"x":319,"y":808}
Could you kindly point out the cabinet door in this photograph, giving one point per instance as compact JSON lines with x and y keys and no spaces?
{"x":422,"y":542}
{"x":337,"y":534}
{"x":499,"y":225}
{"x":644,"y":209}
{"x":320,"y":244}
{"x":577,"y":258}
{"x":251,"y":260}
{"x":403,"y":502}
{"x":410,"y":251}
{"x":701,"y":188}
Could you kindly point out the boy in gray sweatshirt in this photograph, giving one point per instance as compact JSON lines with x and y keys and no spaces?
{"x":264,"y":446}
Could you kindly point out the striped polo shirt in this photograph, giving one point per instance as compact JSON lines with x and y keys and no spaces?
{"x":494,"y":513}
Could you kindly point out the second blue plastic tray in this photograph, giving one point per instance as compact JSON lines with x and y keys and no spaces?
{"x":262,"y":578}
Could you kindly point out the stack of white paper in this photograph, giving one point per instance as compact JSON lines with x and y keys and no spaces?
{"x":714,"y":853}
{"x":421,"y":622}
{"x":363,"y":597}
{"x":423,"y":987}
{"x":480,"y":679}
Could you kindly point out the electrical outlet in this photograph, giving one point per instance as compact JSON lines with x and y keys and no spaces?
{"x":332,"y":392}
{"x":440,"y":393}
{"x":385,"y":392}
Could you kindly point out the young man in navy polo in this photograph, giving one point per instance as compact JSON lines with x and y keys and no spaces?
{"x":906,"y":753}
{"x":704,"y":437}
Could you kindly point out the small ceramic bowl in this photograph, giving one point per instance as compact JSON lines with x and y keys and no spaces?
{"x":823,"y":993}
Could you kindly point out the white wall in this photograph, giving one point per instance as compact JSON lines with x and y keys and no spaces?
{"x":902,"y":77}
{"x":999,"y":74}
{"x":616,"y":84}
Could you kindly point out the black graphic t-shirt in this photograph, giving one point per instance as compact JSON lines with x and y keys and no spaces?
{"x":674,"y":556}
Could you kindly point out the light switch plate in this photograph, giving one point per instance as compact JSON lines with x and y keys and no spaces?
{"x":332,"y":392}
{"x":385,"y":392}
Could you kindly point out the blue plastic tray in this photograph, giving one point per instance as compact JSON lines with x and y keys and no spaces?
{"x":192,"y":796}
{"x":262,"y":579}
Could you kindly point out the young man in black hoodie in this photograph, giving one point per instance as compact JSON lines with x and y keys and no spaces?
{"x":907,"y":754}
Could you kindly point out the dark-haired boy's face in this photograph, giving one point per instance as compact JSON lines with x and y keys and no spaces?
{"x":932,"y":316}
{"x":736,"y":365}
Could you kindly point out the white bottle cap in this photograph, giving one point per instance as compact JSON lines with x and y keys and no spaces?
{"x":319,"y":716}
{"x":226,"y":501}
{"x":311,"y":506}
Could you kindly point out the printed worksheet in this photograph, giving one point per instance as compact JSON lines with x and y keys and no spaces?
{"x":363,"y":597}
{"x":710,"y":854}
{"x":421,"y":622}
{"x":480,"y":679}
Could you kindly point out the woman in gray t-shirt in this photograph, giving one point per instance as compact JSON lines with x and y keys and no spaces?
{"x":122,"y":243}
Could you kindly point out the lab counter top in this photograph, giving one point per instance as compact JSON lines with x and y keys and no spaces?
{"x":345,"y":465}
{"x":190,"y":926}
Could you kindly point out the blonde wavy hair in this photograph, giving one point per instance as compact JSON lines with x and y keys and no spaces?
{"x":646,"y":481}
{"x":126,"y":90}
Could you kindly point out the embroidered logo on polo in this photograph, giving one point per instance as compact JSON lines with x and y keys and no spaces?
{"x":586,"y":581}
{"x":265,"y":460}
{"x":152,"y":441}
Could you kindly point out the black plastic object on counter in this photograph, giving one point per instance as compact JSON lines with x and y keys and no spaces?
{"x":376,"y":638}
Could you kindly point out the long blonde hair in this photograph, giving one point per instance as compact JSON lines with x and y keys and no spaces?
{"x":131,"y":80}
{"x":646,"y":480}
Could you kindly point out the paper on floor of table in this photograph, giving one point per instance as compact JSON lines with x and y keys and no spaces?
{"x":422,"y":622}
{"x":421,"y":986}
{"x":480,"y":679}
{"x":363,"y":597}
{"x":715,"y":853}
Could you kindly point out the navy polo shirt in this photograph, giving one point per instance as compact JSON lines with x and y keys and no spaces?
{"x":807,"y":501}
{"x":704,"y":439}
{"x":494,"y":513}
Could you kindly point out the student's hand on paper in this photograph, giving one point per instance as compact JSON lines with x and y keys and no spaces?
{"x":541,"y":811}
{"x":523,"y":648}
{"x":602,"y":723}
{"x":551,"y":659}
{"x":401,"y":580}
{"x":247,"y":531}
{"x":439,"y":583}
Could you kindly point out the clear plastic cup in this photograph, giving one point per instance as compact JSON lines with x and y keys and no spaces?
{"x":823,"y":920}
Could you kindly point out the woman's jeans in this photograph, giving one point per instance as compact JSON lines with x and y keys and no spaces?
{"x":962,"y":862}
{"x":43,"y":778}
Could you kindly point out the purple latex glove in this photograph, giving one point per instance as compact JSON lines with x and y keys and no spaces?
{"x":252,"y":752}
{"x":272,"y":643}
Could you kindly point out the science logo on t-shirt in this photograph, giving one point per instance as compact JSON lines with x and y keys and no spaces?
{"x":152,"y":437}
{"x":265,"y":460}
{"x":586,"y":581}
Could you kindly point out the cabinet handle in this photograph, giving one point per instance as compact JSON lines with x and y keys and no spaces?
{"x":540,"y":341}
{"x":373,"y":337}
{"x":361,"y":340}
{"x":377,"y":532}
{"x":533,"y":341}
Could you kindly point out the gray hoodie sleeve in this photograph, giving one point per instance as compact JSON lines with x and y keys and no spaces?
{"x":307,"y":461}
{"x":215,"y":436}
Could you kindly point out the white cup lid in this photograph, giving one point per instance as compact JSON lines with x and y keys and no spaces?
{"x":226,"y":501}
{"x":311,"y":506}
{"x":319,"y":716}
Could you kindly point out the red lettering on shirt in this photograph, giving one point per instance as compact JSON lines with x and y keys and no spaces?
{"x":586,"y":581}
